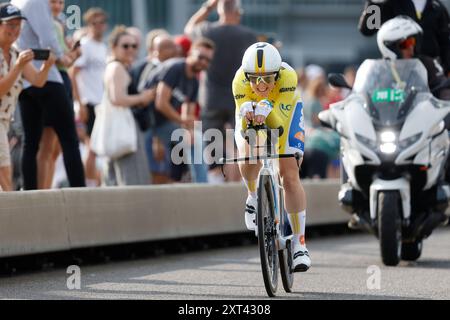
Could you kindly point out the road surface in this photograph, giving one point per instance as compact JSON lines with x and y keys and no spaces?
{"x":340,"y":271}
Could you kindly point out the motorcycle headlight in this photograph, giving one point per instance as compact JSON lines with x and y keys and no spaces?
{"x":388,"y":148}
{"x":405,"y":143}
{"x":388,"y":142}
{"x":388,"y":137}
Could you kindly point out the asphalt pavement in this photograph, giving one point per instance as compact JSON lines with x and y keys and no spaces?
{"x":344,"y":267}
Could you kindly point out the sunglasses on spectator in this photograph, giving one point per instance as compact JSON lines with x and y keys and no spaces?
{"x":267,"y":79}
{"x":410,"y":42}
{"x":127,"y":46}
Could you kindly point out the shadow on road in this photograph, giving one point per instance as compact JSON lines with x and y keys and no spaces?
{"x":429,"y":264}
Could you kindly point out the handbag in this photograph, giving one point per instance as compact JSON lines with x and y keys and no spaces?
{"x":114,"y":134}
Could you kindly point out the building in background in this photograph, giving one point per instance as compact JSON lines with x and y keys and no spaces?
{"x":312,"y":31}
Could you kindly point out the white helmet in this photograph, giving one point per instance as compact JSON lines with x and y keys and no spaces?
{"x":261,"y":57}
{"x":393,"y":32}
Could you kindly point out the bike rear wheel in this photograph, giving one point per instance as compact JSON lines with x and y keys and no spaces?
{"x":287,"y":276}
{"x":267,"y":235}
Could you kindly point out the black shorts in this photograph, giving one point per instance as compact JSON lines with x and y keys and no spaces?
{"x":68,"y":86}
{"x":91,"y":118}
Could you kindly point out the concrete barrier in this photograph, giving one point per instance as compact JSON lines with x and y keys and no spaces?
{"x":32,"y":222}
{"x":47,"y":221}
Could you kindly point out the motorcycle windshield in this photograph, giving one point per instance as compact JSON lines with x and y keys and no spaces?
{"x":391,"y":88}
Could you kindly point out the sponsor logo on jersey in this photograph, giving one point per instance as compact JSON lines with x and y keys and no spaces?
{"x":300,"y":136}
{"x":239,"y":96}
{"x":291,"y":89}
{"x":286,"y":107}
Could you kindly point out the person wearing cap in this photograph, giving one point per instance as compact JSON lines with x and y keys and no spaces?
{"x":49,"y":104}
{"x":14,"y":67}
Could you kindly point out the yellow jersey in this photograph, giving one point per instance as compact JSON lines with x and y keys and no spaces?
{"x":287,"y":107}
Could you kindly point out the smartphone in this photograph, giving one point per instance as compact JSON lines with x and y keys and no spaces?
{"x":41,"y":54}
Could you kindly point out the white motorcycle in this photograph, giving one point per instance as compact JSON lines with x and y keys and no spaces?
{"x":394,"y":149}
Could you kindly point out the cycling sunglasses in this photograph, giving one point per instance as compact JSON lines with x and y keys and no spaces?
{"x":267,"y":79}
{"x":410,"y":42}
{"x":127,"y":46}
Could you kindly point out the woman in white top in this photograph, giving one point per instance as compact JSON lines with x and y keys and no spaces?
{"x":14,"y":66}
{"x":131,"y":169}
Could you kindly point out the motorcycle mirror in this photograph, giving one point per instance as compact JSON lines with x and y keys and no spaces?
{"x":338,"y":80}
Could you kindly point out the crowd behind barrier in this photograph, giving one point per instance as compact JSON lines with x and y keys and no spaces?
{"x":56,"y":133}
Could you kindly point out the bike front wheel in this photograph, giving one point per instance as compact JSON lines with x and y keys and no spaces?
{"x":267,"y":236}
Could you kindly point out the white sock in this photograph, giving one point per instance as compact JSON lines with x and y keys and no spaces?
{"x":303,"y":228}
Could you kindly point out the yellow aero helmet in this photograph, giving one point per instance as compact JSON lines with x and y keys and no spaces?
{"x":261,"y":57}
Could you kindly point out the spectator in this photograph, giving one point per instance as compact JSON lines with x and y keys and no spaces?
{"x":215,"y":95}
{"x":184,"y":44}
{"x":302,"y":80}
{"x":431,"y":15}
{"x":60,"y":176}
{"x":51,"y":100}
{"x":164,"y":48}
{"x":315,"y":160}
{"x":49,"y":148}
{"x":137,"y":34}
{"x":87,"y":78}
{"x":15,"y":144}
{"x":78,"y":35}
{"x":151,"y":36}
{"x":313,"y":96}
{"x":13,"y":67}
{"x":177,"y":89}
{"x":130,"y":169}
{"x":322,"y":150}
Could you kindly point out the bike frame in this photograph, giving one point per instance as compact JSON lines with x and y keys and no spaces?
{"x":270,"y":169}
{"x":282,"y":239}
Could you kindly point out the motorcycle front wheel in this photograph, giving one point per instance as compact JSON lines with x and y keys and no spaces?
{"x":390,"y":227}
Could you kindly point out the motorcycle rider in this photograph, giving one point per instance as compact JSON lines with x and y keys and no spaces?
{"x":401,"y":38}
{"x":431,"y":15}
